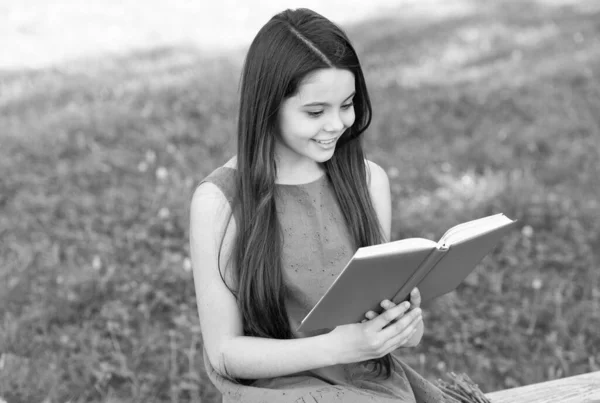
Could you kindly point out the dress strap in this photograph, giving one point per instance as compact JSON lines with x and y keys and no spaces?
{"x":224,"y":179}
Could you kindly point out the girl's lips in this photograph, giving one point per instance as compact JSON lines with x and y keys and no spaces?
{"x":326,"y":141}
{"x":326,"y":146}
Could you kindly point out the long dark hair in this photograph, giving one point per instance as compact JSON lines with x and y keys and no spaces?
{"x":290,"y":46}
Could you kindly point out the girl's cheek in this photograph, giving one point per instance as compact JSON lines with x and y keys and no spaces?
{"x":350,"y":119}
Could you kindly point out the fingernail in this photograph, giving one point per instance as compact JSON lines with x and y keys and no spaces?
{"x":406,"y":305}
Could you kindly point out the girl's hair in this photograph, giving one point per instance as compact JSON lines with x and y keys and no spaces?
{"x":293,"y":44}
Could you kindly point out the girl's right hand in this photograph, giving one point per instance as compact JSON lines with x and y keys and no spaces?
{"x":372,"y":339}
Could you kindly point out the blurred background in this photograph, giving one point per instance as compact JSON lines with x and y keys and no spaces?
{"x":112,"y":112}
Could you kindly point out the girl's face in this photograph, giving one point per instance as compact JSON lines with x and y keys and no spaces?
{"x":312,"y":121}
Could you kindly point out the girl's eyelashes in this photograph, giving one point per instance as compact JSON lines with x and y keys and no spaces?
{"x":316,"y":114}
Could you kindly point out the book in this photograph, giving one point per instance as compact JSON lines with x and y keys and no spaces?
{"x":391,"y":270}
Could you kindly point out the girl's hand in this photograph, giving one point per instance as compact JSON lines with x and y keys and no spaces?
{"x":415,"y":300}
{"x":378,"y":336}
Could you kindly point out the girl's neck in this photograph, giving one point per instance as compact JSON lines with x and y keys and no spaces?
{"x":291,"y":175}
{"x":299,"y":173}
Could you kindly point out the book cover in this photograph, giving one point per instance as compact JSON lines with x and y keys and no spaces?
{"x":392,"y":270}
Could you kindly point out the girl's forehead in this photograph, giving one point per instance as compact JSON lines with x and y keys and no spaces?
{"x":333,"y":84}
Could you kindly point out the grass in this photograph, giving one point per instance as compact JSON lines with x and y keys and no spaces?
{"x":473,"y":115}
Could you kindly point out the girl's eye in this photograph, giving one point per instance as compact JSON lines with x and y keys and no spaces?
{"x":319,"y":113}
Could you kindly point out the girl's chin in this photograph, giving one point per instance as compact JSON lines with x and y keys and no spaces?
{"x":324,"y":156}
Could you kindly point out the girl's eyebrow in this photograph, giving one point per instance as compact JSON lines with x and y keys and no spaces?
{"x":326,"y":103}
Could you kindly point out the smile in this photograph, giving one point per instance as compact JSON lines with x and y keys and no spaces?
{"x":325,"y":142}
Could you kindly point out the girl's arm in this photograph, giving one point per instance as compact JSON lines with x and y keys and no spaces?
{"x":379,"y":188}
{"x":257,"y":357}
{"x":231,"y":353}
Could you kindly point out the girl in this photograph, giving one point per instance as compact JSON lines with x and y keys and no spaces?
{"x":272,"y":228}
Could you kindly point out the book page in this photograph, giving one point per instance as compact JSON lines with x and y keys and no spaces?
{"x":403,"y":245}
{"x":470,"y":229}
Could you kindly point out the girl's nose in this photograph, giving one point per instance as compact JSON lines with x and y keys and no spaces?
{"x":335,"y":124}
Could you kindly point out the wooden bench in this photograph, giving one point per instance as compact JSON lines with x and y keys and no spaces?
{"x":583,"y":388}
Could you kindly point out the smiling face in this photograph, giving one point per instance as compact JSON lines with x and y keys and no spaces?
{"x":312,"y":121}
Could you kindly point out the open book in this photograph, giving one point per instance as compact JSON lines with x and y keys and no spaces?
{"x":391,"y":270}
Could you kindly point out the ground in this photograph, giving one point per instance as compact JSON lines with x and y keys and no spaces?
{"x":494,"y":109}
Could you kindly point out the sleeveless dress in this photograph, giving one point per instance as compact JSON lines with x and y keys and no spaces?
{"x":316,"y":247}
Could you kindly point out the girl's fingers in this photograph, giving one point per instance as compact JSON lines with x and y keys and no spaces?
{"x":415,"y":297}
{"x":404,"y":325}
{"x":415,"y":301}
{"x":385,"y":304}
{"x":401,"y":338}
{"x":390,"y":314}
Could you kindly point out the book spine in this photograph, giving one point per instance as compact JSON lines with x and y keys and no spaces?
{"x":425,"y":267}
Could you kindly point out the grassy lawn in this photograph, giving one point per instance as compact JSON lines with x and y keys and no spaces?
{"x":495,"y":112}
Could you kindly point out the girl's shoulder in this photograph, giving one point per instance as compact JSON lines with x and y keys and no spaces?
{"x":232,"y":163}
{"x":220,"y":182}
{"x":376,"y":175}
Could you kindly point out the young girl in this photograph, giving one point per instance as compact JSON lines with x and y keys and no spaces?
{"x":272,"y":228}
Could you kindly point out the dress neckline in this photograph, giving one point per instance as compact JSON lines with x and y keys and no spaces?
{"x":314,"y":181}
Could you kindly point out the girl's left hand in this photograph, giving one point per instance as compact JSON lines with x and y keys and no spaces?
{"x":415,"y":302}
{"x":415,"y":298}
